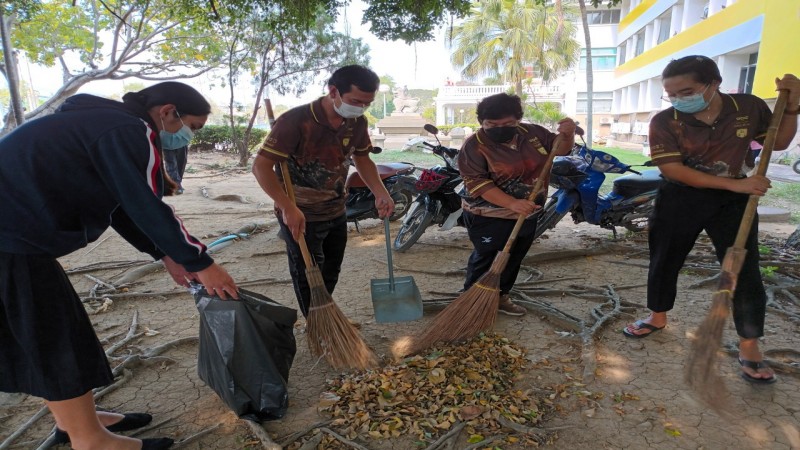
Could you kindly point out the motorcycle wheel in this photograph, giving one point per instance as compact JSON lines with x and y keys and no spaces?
{"x":548,"y":218}
{"x":412,"y":229}
{"x":638,"y":219}
{"x":796,"y":166}
{"x":402,"y":201}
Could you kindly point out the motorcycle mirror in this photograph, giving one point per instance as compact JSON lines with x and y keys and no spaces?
{"x":578,"y":130}
{"x":376,"y":150}
{"x":431,"y":129}
{"x":648,"y":164}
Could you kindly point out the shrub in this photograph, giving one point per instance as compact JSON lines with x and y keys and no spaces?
{"x":218,"y":138}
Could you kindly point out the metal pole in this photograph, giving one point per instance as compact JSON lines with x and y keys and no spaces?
{"x":384,"y":105}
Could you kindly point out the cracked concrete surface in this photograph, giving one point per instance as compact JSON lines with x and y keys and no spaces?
{"x":638,"y":400}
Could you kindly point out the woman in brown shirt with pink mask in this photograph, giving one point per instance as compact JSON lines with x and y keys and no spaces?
{"x":500,"y":164}
{"x":702,"y":146}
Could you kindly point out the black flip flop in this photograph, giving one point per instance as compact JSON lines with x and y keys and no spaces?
{"x":755,"y":365}
{"x":641,"y":324}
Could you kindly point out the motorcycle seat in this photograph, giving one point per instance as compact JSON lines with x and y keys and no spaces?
{"x":385,"y":170}
{"x":648,"y":180}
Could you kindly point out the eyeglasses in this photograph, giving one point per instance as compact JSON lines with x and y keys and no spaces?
{"x":668,"y":98}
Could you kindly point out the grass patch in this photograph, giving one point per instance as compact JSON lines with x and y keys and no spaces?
{"x":425,"y":160}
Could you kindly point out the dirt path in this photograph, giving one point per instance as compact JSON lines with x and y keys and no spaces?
{"x":637,"y":400}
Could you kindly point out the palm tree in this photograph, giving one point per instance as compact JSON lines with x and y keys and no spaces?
{"x":506,"y":38}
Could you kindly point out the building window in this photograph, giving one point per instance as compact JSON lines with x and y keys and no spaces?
{"x":602,"y":102}
{"x":604,"y":17}
{"x":602,"y":59}
{"x":622,"y":49}
{"x":639,"y":43}
{"x":664,"y":23}
{"x":747,"y":74}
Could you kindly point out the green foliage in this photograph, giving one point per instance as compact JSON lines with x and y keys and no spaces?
{"x":445,"y":129}
{"x":216,"y":137}
{"x":764,"y":249}
{"x":508,"y":38}
{"x":411,"y":20}
{"x":546,"y":114}
{"x":768,"y":271}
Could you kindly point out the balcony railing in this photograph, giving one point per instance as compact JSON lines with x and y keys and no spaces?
{"x":483,"y":91}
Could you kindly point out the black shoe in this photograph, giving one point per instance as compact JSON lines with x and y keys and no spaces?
{"x":156,"y":443}
{"x":129,"y":422}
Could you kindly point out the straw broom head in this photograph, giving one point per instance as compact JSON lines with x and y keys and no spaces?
{"x":471,"y":313}
{"x":702,"y":374}
{"x":330,"y":333}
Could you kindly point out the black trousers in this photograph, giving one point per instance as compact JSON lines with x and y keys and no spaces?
{"x":681,"y":213}
{"x":489,"y":236}
{"x":326,"y":241}
{"x":175,"y":163}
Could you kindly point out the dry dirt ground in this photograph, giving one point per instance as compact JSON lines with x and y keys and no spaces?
{"x":638,"y":398}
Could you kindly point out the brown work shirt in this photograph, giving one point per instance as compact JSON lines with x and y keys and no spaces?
{"x":318,"y":156}
{"x":722,"y":148}
{"x":512,"y":167}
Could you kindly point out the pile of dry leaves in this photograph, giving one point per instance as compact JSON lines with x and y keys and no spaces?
{"x":468,"y":385}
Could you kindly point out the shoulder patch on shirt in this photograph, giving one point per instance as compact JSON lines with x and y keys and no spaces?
{"x":741,"y":132}
{"x":537,"y":145}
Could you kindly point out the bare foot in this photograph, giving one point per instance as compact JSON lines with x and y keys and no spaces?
{"x":641,"y":328}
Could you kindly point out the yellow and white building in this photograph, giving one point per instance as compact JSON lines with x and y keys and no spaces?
{"x":752,"y":41}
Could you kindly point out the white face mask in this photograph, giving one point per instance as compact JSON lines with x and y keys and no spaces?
{"x":347,"y":110}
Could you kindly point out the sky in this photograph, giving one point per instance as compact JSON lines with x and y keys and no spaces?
{"x":423,"y":65}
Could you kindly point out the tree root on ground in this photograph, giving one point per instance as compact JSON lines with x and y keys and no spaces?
{"x":455,"y":430}
{"x":444,"y":273}
{"x":285,"y":441}
{"x":261,"y":434}
{"x":195,"y":436}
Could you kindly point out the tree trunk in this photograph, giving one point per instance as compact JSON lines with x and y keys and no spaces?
{"x":11,"y":67}
{"x":589,"y":75}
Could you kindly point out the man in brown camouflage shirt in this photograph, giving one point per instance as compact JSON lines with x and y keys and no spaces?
{"x":318,"y":141}
{"x":500,"y":164}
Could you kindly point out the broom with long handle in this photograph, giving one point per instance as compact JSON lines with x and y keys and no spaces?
{"x":701,"y":371}
{"x":330,"y":334}
{"x":475,"y":310}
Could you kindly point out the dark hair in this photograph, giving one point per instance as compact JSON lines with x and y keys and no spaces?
{"x":186,"y":99}
{"x":354,"y":75}
{"x":702,"y":69}
{"x":498,"y":106}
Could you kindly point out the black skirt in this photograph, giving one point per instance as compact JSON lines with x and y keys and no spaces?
{"x":48,"y":347}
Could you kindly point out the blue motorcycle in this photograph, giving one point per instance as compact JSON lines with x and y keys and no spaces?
{"x":578,"y":178}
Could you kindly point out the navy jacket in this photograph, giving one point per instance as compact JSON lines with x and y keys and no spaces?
{"x":66,"y":177}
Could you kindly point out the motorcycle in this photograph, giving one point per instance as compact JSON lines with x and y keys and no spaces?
{"x":578,"y":178}
{"x":399,"y":181}
{"x":439,"y":200}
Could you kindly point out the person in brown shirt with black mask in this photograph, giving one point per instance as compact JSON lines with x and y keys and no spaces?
{"x":500,"y":164}
{"x":702,"y":147}
{"x":318,"y":141}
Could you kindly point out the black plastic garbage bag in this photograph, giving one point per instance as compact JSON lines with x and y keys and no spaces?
{"x":246,"y":350}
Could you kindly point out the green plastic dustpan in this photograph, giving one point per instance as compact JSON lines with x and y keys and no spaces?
{"x":395,"y":299}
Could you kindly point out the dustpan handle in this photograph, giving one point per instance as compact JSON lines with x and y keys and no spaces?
{"x":389,"y":252}
{"x":287,"y":182}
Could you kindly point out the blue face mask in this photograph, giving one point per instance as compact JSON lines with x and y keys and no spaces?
{"x":178,"y":139}
{"x":691,"y":104}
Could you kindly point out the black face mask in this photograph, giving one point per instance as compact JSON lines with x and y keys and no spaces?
{"x":501,"y":134}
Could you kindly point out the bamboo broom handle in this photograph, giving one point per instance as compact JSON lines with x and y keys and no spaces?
{"x":287,"y":182}
{"x":537,"y":188}
{"x":766,"y":152}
